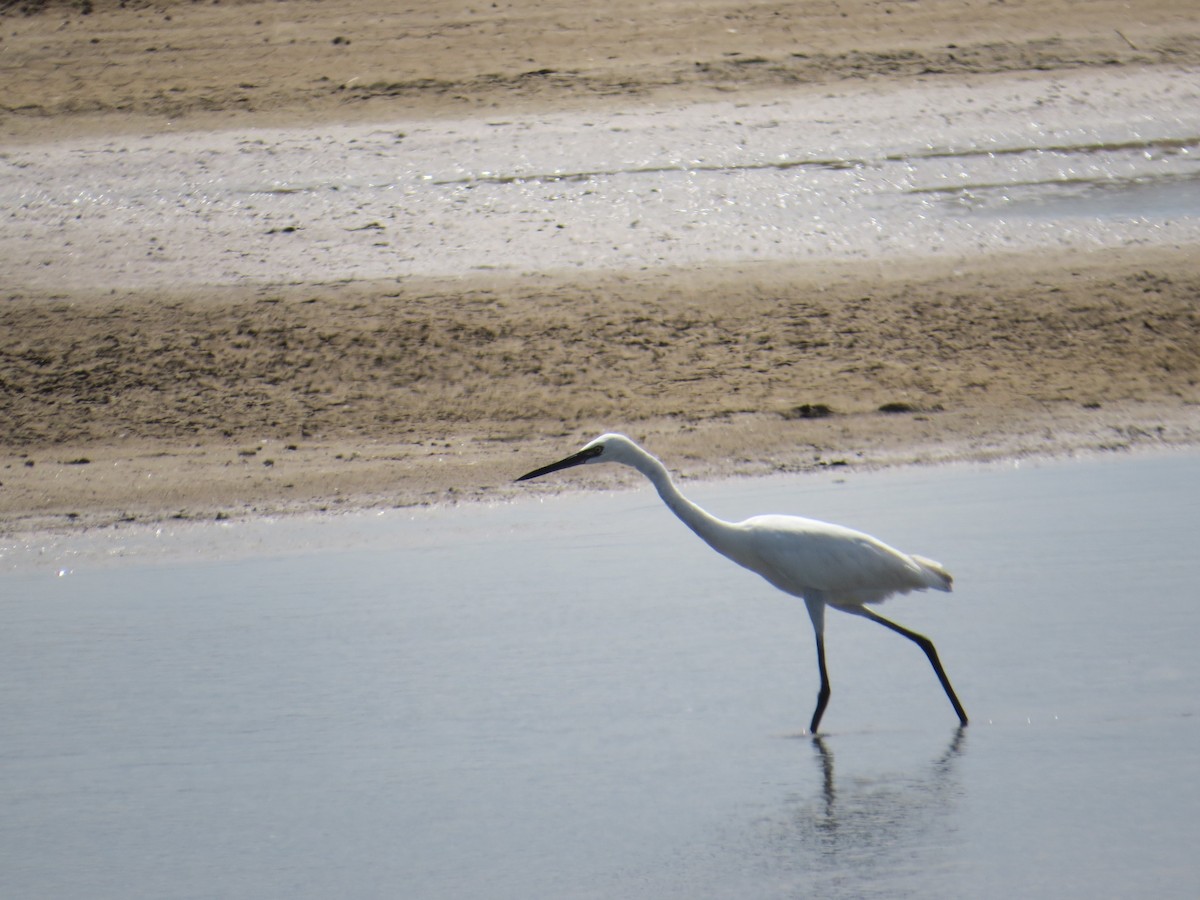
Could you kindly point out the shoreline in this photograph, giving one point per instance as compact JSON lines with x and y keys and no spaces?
{"x":259,"y":401}
{"x":21,"y":535}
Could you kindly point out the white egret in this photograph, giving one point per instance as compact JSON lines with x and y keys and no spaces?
{"x":823,"y":564}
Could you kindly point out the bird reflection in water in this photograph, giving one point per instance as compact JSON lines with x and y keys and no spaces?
{"x":934,"y":783}
{"x":865,"y":835}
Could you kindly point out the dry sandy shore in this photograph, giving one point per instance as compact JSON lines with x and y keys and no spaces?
{"x":212,"y":401}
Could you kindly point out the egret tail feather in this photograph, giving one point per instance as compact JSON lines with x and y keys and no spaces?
{"x":940,"y":579}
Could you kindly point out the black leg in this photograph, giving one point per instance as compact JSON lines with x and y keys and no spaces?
{"x":930,"y":651}
{"x":816,"y":612}
{"x":823,"y":694}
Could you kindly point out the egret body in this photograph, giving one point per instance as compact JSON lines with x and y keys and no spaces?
{"x":823,"y":564}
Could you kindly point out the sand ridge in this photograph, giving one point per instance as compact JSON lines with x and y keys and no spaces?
{"x":311,"y":397}
{"x":139,"y":65}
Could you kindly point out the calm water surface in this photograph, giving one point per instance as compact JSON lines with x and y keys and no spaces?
{"x":575,"y":698}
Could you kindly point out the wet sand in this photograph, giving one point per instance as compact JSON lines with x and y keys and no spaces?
{"x":205,"y":399}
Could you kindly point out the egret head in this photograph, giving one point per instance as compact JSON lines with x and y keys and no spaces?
{"x":607,"y":448}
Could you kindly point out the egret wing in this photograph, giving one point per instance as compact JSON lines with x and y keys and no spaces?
{"x":846,"y":567}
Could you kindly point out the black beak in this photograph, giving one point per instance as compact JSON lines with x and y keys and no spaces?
{"x":577,"y":459}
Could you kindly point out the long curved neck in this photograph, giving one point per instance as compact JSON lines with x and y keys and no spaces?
{"x":709,"y":528}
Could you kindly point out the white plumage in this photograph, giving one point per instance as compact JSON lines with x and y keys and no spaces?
{"x":802,"y":556}
{"x":824,"y":564}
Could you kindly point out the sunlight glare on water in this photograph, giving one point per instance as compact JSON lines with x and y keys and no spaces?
{"x":863,"y":176}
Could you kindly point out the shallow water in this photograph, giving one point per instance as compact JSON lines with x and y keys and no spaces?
{"x":853,"y":173}
{"x":575,"y":698}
